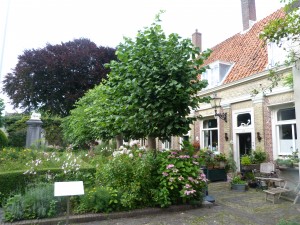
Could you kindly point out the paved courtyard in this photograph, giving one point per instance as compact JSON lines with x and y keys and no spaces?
{"x":232,"y":208}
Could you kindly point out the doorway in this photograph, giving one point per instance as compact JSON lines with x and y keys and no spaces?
{"x":245,"y":143}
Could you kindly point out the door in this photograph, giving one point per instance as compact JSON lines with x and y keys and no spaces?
{"x":245,"y":143}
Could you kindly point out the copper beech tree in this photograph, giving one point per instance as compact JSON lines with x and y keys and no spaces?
{"x":53,"y":78}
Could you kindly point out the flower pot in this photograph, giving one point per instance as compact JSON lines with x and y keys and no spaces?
{"x":239,"y":187}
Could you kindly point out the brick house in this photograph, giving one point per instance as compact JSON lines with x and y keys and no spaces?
{"x":238,"y":65}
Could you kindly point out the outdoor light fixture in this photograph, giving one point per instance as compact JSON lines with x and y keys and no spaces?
{"x":259,"y":137}
{"x":215,"y":103}
{"x":226,"y":137}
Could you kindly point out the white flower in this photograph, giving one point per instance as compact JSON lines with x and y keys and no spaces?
{"x":131,"y":155}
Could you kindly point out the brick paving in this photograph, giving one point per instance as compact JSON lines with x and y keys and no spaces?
{"x":232,"y":208}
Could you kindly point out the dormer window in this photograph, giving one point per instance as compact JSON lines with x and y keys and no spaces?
{"x":276,"y":55}
{"x":216,"y":73}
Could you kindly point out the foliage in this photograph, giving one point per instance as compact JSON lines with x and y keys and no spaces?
{"x":284,"y":162}
{"x":285,"y":32}
{"x":132,"y":175}
{"x":37,"y":202}
{"x":245,"y":160}
{"x":3,"y":140}
{"x":152,"y":86}
{"x":231,"y":164}
{"x":180,"y":178}
{"x":2,"y":107}
{"x":258,"y":156}
{"x":238,"y":180}
{"x":53,"y":130}
{"x":99,"y":199}
{"x":285,"y":28}
{"x":53,"y":78}
{"x":16,"y":128}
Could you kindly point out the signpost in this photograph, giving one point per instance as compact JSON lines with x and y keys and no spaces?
{"x":68,"y":189}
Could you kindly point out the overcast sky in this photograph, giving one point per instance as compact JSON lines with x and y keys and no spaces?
{"x":33,"y":23}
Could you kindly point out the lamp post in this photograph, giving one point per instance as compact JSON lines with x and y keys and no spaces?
{"x":215,"y":103}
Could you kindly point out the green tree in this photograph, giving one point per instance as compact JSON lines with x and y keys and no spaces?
{"x":150,"y":91}
{"x":53,"y":78}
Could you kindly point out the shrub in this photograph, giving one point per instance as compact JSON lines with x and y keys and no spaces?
{"x":180,"y":178}
{"x":3,"y":140}
{"x":132,"y":175}
{"x":17,"y":181}
{"x":37,"y":202}
{"x":16,"y":128}
{"x":99,"y":199}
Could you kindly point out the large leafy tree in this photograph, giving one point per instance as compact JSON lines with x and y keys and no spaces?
{"x":53,"y":78}
{"x":150,"y":91}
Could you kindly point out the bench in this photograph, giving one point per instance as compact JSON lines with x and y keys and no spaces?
{"x":273,"y":193}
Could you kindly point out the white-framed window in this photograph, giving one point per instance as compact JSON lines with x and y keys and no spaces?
{"x":216,"y":73}
{"x":167,"y":144}
{"x":243,"y":119}
{"x":209,"y":134}
{"x":286,"y":132}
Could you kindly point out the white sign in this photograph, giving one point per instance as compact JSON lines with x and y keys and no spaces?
{"x":69,"y":188}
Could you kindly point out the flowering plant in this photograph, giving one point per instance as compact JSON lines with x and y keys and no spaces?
{"x":180,"y":178}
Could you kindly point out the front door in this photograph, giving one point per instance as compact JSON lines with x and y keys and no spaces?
{"x":245,"y":143}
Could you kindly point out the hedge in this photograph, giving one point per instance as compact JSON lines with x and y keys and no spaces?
{"x":16,"y":181}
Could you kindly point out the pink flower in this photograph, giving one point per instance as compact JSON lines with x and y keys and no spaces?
{"x":165,"y":174}
{"x":196,"y":163}
{"x":187,"y":186}
{"x":170,"y":166}
{"x":173,"y":153}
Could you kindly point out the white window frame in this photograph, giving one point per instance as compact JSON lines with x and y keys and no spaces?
{"x":167,"y":145}
{"x":202,"y":131}
{"x":277,"y":152}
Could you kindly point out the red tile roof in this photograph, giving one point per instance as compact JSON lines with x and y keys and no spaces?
{"x":245,"y":50}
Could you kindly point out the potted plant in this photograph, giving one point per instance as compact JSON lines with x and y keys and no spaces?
{"x":221,"y":160}
{"x":284,"y":162}
{"x":238,"y":184}
{"x":258,"y":156}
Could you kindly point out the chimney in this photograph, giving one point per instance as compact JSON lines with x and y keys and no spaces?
{"x":197,"y":40}
{"x":248,"y":13}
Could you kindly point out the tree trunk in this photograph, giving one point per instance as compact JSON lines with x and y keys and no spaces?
{"x":119,"y":140}
{"x":151,"y":143}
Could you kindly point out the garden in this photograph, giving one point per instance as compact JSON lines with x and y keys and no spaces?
{"x":127,"y":179}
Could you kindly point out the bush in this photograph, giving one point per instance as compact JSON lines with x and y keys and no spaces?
{"x":17,"y":181}
{"x":16,"y":128}
{"x":37,"y":202}
{"x":132,"y":175}
{"x":180,"y":178}
{"x":99,"y":199}
{"x":3,"y":140}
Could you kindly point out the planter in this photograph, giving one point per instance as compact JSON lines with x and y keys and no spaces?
{"x":239,"y":187}
{"x":215,"y":174}
{"x":250,"y":167}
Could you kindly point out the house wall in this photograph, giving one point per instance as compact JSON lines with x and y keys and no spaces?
{"x":239,"y":96}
